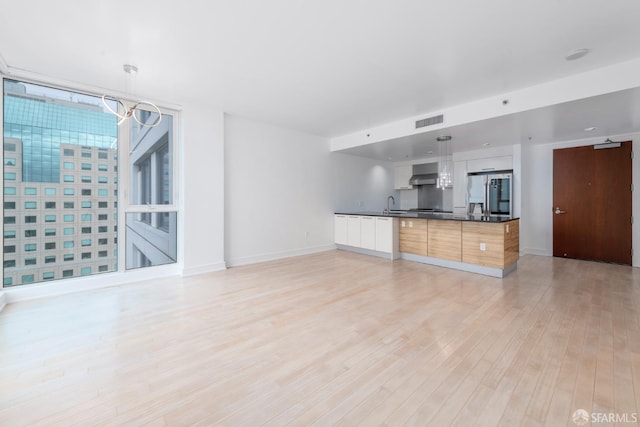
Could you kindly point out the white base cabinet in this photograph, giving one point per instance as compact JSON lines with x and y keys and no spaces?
{"x":378,"y":234}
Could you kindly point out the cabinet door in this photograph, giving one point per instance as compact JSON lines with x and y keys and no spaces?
{"x":368,"y":232}
{"x":353,"y":231}
{"x":402,"y":174}
{"x":460,"y":187}
{"x":384,"y":234}
{"x":340,"y":230}
{"x":490,"y":164}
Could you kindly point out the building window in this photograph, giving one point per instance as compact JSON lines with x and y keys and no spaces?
{"x":10,"y":234}
{"x":86,"y":217}
{"x":29,"y":261}
{"x":49,"y":232}
{"x":29,"y":233}
{"x":86,"y":255}
{"x":103,"y":217}
{"x":9,"y":191}
{"x":103,"y":268}
{"x":30,"y":191}
{"x":9,"y":219}
{"x":69,"y":192}
{"x":68,"y":152}
{"x":50,"y":245}
{"x":102,"y":229}
{"x":69,"y":231}
{"x":102,"y":254}
{"x":27,"y":278}
{"x":9,"y":263}
{"x":9,"y":205}
{"x":68,"y":244}
{"x":29,"y":247}
{"x":103,"y":156}
{"x":102,"y":180}
{"x":30,"y":205}
{"x":47,"y":275}
{"x":103,"y":167}
{"x":86,"y":154}
{"x":86,"y":192}
{"x":49,"y":259}
{"x":9,"y":176}
{"x":85,"y":242}
{"x":49,"y":218}
{"x":102,"y":192}
{"x":50,"y":191}
{"x":49,"y":205}
{"x":85,"y":205}
{"x":68,"y":165}
{"x":30,"y":219}
{"x":87,"y":180}
{"x":85,"y":166}
{"x":68,"y":205}
{"x":10,"y":161}
{"x":85,"y":271}
{"x":68,"y":257}
{"x":103,"y":242}
{"x":103,"y":204}
{"x":68,"y":218}
{"x":9,"y":249}
{"x":67,"y":273}
{"x":68,"y":178}
{"x":8,"y":281}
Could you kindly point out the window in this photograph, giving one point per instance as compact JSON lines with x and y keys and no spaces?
{"x":103,"y":204}
{"x":67,"y":273}
{"x":9,"y":263}
{"x":102,"y":192}
{"x":49,"y":205}
{"x":68,"y":257}
{"x":30,"y":191}
{"x":9,"y":219}
{"x":86,"y":154}
{"x":9,"y":249}
{"x":103,"y":217}
{"x":103,"y":268}
{"x":29,"y":247}
{"x":85,"y":242}
{"x":103,"y":156}
{"x":68,"y":165}
{"x":68,"y":152}
{"x":8,"y":281}
{"x":103,"y":167}
{"x":9,"y":176}
{"x":49,"y":218}
{"x":86,"y":230}
{"x":50,"y":191}
{"x":30,"y":205}
{"x":85,"y":166}
{"x":10,"y":161}
{"x":102,"y":254}
{"x":84,"y":271}
{"x":87,"y":180}
{"x":86,"y":192}
{"x":68,"y":178}
{"x":9,"y":234}
{"x":29,"y":261}
{"x":27,"y":278}
{"x":49,"y":259}
{"x":68,"y":244}
{"x":68,"y":218}
{"x":30,"y":219}
{"x":102,"y":180}
{"x":69,"y":192}
{"x":102,"y":229}
{"x":86,"y":217}
{"x":9,"y":191}
{"x":68,"y":205}
{"x":69,"y":231}
{"x":29,"y":233}
{"x":86,"y":204}
{"x":86,"y":255}
{"x":50,"y":245}
{"x":47,"y":276}
{"x":49,"y":232}
{"x":103,"y":241}
{"x":9,"y":205}
{"x":9,"y":147}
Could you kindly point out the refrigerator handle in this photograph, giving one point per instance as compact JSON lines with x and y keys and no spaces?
{"x":487,"y":198}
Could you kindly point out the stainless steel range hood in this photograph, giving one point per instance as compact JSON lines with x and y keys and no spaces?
{"x":424,"y":174}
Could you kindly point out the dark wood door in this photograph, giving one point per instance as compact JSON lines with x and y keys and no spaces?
{"x":592,"y":203}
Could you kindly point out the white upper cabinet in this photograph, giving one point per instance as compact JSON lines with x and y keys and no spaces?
{"x":402,"y":174}
{"x":490,"y":164}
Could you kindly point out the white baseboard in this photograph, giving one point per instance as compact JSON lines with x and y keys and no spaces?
{"x":203,"y":269}
{"x":3,"y":300}
{"x":535,"y":251}
{"x":279,"y":255}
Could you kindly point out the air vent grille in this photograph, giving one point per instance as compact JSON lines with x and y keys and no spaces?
{"x":429,"y":121}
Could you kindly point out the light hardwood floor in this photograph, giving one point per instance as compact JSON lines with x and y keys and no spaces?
{"x":334,"y":338}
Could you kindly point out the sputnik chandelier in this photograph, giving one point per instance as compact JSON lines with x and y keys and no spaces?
{"x":130,"y":112}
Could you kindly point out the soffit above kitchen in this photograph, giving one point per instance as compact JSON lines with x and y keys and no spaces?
{"x":328,"y":68}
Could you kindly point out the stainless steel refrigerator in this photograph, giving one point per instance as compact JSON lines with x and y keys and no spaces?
{"x":490,"y":193}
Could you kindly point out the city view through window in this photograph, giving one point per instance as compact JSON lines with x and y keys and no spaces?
{"x":60,"y":173}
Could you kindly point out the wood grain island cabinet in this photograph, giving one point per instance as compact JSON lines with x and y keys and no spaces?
{"x":479,"y":245}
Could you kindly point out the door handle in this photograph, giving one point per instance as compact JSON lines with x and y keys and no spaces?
{"x":557,"y":211}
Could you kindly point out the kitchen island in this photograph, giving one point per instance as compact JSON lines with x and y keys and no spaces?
{"x":474,"y":243}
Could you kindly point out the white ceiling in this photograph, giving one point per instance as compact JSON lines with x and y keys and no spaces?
{"x":327,"y":67}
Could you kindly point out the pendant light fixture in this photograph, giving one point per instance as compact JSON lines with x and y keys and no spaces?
{"x":445,"y":162}
{"x":130,"y":112}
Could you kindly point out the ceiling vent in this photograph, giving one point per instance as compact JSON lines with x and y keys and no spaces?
{"x":429,"y":121}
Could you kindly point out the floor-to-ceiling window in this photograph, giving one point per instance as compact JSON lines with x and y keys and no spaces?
{"x":61,"y":153}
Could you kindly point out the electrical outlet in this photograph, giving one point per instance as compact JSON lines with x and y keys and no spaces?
{"x":483,"y":246}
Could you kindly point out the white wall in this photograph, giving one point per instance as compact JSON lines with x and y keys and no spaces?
{"x":283,"y":186}
{"x":537,"y":182}
{"x":203,"y":189}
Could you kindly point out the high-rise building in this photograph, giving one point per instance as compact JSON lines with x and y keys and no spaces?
{"x":60,"y":187}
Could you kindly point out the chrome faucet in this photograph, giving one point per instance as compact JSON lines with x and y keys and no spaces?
{"x":393,"y":201}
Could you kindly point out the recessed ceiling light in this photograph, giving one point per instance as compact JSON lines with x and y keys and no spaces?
{"x":590,"y":129}
{"x":486,"y":144}
{"x":443,"y":138}
{"x":576,"y":54}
